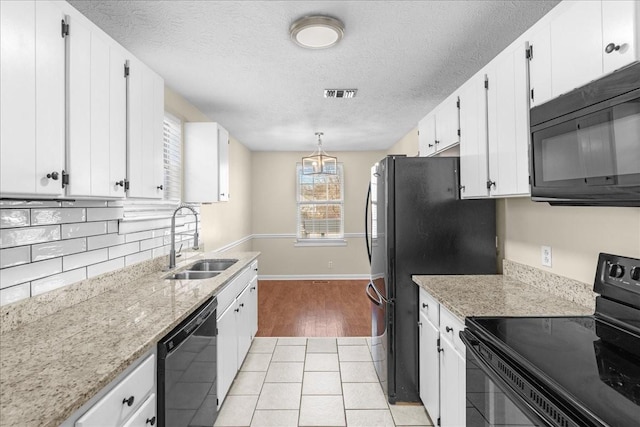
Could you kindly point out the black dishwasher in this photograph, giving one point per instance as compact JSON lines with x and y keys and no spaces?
{"x":187,"y":372}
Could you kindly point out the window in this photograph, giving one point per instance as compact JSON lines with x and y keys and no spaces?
{"x":172,"y":157}
{"x":320,"y":207}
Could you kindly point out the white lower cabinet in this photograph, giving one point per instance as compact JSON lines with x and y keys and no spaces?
{"x":442,"y":364}
{"x":237,"y":326}
{"x":126,"y":401}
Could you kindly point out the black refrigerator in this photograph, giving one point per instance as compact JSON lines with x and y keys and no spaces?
{"x":418,"y":225}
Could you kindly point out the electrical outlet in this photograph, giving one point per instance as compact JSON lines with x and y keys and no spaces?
{"x":330,"y":264}
{"x":546,"y":256}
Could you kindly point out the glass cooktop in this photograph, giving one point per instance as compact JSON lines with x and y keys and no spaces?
{"x":593,"y":362}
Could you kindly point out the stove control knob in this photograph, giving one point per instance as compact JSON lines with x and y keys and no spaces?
{"x":616,"y":271}
{"x":635,"y":273}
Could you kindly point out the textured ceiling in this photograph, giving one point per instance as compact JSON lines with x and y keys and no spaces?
{"x":235,"y":62}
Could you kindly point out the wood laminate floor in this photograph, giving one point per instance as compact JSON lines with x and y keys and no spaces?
{"x":313,"y":308}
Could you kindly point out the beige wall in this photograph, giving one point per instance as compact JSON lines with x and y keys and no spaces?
{"x":576,"y":235}
{"x":407,"y":145}
{"x":227,"y":222}
{"x":274,"y":212}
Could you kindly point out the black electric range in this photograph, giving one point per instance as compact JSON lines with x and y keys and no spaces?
{"x":561,"y":371}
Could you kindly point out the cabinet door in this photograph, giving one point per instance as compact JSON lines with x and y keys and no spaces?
{"x":227,"y":352}
{"x":429,"y":367}
{"x":427,"y":135}
{"x":576,"y":41}
{"x":473,"y":138}
{"x":32,"y":99}
{"x":452,"y":397}
{"x":201,"y":178}
{"x":540,"y":65}
{"x":223,"y":164}
{"x":620,"y":21}
{"x":245,"y":319}
{"x":117,"y":122}
{"x":145,"y":143}
{"x":447,"y":123}
{"x":253,"y":307}
{"x":508,"y":121}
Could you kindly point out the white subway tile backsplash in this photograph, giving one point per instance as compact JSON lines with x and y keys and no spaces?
{"x":85,"y":204}
{"x":57,"y":216}
{"x":24,"y":273}
{"x":141,"y":235}
{"x":15,"y":293}
{"x":10,"y":218}
{"x":29,"y":204}
{"x":161,"y":251}
{"x":59,"y":280}
{"x":161,"y":232}
{"x":152,"y":243}
{"x":70,"y":231}
{"x":105,"y":267}
{"x":123,"y":250}
{"x":104,"y":240}
{"x":28,"y":236}
{"x":149,"y":224}
{"x":137,"y":257}
{"x":103,"y":214}
{"x":15,"y":256}
{"x":58,"y":248}
{"x":112,"y":227}
{"x":83,"y":259}
{"x":116,"y":203}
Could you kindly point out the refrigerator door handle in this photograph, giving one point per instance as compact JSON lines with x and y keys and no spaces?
{"x":366,"y":223}
{"x":376,"y":301}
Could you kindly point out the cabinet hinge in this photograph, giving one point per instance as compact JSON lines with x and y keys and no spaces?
{"x":438,"y":342}
{"x":532,"y":95}
{"x":65,"y":179}
{"x":486,"y":82}
{"x":64,"y":28}
{"x":126,"y":185}
{"x":458,"y":132}
{"x":126,"y":70}
{"x":528,"y":53}
{"x":438,"y":420}
{"x":458,"y":104}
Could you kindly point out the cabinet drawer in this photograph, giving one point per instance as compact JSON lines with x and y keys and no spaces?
{"x":145,"y":416}
{"x":233,"y":289}
{"x":114,"y":408}
{"x":450,"y":328}
{"x":254,"y":269}
{"x":430,"y":307}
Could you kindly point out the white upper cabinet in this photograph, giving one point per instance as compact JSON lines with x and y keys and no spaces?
{"x":580,"y":41}
{"x":96,"y":144}
{"x":32,"y":78}
{"x":203,"y":158}
{"x":427,"y":135}
{"x":439,"y":130}
{"x":145,"y":140}
{"x":508,"y":122}
{"x":473,"y":137}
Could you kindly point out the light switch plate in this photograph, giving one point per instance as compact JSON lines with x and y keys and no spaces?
{"x":546,"y":256}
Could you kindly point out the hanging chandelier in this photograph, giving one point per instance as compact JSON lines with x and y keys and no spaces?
{"x":319,"y":163}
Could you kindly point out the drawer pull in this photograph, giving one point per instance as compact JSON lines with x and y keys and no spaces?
{"x":151,"y":421}
{"x":128,"y":401}
{"x":425,"y":305}
{"x":611,"y":47}
{"x":449,"y":328}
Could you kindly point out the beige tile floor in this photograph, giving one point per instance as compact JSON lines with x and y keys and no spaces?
{"x":312,"y":382}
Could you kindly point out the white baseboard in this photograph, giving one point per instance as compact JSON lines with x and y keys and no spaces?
{"x":314,"y":277}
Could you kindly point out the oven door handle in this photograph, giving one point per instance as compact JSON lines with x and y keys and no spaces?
{"x":471,"y":343}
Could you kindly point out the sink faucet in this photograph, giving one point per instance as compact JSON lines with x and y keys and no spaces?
{"x":172,"y":253}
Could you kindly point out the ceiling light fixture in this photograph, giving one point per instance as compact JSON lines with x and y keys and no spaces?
{"x":316,"y":32}
{"x":319,"y":163}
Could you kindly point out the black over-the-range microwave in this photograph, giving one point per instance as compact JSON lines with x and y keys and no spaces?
{"x":585,"y":145}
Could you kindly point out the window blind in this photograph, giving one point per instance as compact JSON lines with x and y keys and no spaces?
{"x":172,"y":158}
{"x":320,"y":205}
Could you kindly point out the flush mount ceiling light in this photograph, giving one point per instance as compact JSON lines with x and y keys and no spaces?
{"x":316,"y":32}
{"x":319,"y":163}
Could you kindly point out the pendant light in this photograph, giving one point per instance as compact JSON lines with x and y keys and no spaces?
{"x":319,"y":163}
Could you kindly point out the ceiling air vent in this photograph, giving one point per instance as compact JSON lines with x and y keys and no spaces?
{"x":340,"y":93}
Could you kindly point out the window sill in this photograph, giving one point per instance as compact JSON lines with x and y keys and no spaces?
{"x":319,"y":242}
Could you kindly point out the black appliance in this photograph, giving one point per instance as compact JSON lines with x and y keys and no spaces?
{"x":187,"y":371}
{"x":419,"y":225}
{"x":585,"y":145}
{"x":561,"y":371}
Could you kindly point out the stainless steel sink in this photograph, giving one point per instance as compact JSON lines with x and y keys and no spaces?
{"x":192,"y":275}
{"x":213,"y":264}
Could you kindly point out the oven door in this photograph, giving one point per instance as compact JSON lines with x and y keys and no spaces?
{"x":492,"y":400}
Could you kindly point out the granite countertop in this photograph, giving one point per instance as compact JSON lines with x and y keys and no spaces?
{"x":50,"y":368}
{"x":496,"y":295}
